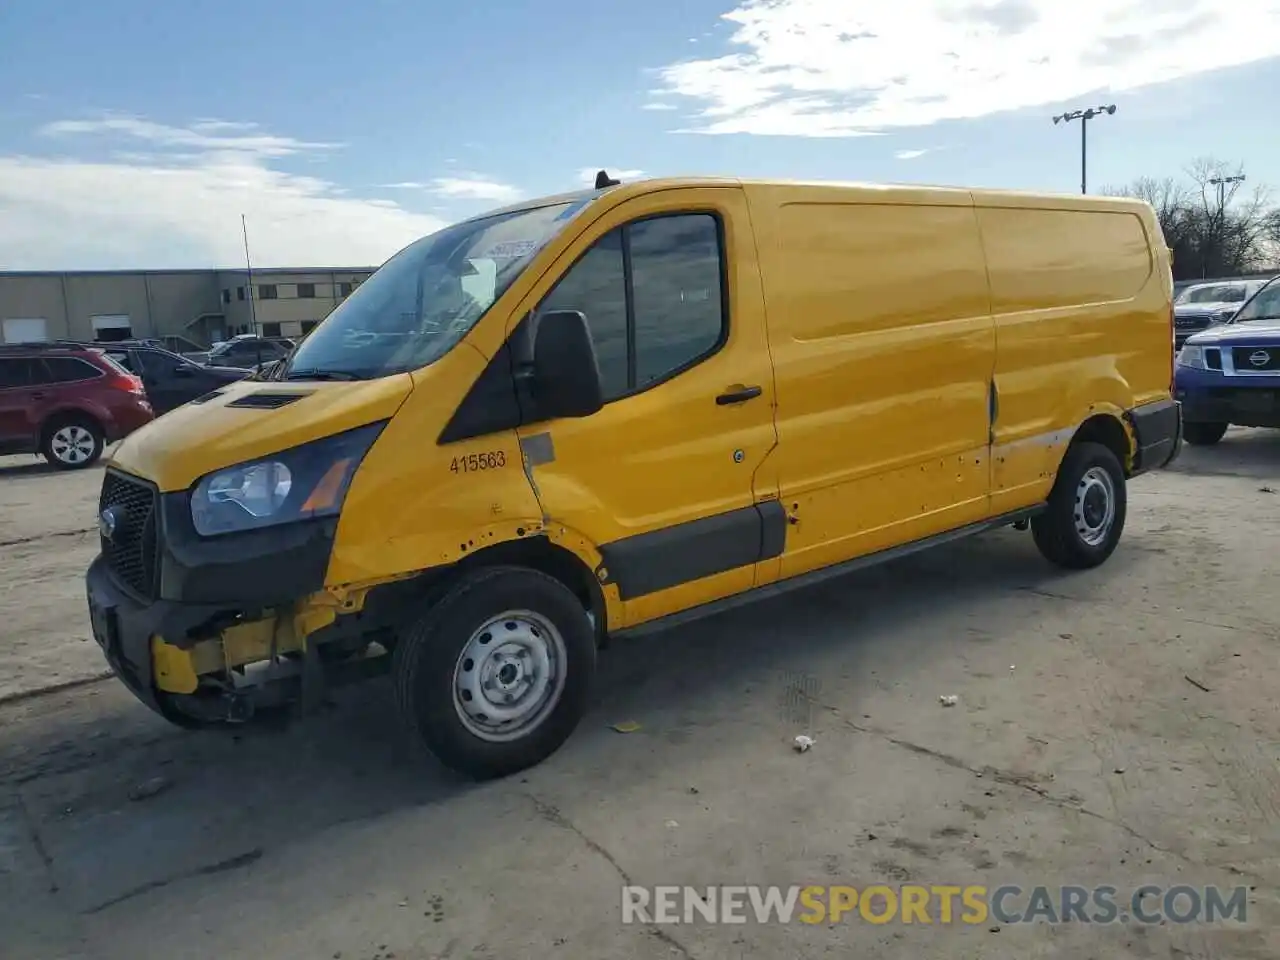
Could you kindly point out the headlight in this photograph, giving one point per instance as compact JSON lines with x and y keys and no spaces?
{"x":1192,"y":355}
{"x":296,"y":484}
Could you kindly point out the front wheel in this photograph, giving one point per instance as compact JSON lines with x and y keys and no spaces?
{"x":1203,"y":434}
{"x":1085,"y":515}
{"x":495,"y":676}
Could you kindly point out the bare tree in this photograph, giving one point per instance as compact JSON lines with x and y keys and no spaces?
{"x":1212,"y":229}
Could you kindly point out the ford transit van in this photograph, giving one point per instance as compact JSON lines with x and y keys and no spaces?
{"x":609,"y":411}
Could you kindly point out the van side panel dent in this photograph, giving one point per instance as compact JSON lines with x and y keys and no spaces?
{"x":1080,"y":313}
{"x":883,"y":346}
{"x":416,"y":504}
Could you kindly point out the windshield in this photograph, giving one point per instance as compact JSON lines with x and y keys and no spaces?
{"x":1217,"y":293}
{"x":426,"y":298}
{"x":1264,"y":306}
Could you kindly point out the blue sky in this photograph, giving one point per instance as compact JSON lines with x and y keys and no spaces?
{"x":134,"y":133}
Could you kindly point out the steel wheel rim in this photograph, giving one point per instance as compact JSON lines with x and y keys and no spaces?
{"x":509,"y":676}
{"x":1095,"y":506}
{"x":72,"y":444}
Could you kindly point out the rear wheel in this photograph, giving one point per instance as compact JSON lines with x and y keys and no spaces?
{"x":495,"y":676}
{"x":72,"y":443}
{"x":1203,"y":434}
{"x":1082,"y":523}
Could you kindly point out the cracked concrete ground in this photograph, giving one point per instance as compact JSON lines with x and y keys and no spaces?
{"x":1112,"y":727}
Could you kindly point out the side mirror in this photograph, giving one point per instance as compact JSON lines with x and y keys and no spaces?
{"x":566,"y":377}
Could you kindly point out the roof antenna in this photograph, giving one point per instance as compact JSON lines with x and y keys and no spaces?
{"x":604,"y":180}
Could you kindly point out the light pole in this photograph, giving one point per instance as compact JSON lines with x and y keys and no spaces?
{"x":1084,"y":116}
{"x":1221,"y":184}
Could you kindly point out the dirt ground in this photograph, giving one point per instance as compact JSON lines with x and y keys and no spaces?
{"x":1112,"y":727}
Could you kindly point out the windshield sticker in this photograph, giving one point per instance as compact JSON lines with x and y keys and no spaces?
{"x":510,"y":250}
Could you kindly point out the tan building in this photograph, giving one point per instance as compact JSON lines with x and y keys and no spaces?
{"x":199,"y":306}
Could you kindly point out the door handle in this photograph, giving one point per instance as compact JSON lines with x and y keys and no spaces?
{"x":738,"y":394}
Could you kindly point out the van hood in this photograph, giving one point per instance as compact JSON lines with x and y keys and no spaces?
{"x":1251,"y":331}
{"x":243,"y":421}
{"x":1196,"y":309}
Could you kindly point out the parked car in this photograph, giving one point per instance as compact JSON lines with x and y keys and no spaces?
{"x":1204,"y":305}
{"x":1231,"y":374}
{"x":248,"y":351}
{"x":66,"y":402}
{"x":170,"y":380}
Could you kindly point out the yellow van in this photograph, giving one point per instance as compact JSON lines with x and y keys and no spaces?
{"x":606,"y":411}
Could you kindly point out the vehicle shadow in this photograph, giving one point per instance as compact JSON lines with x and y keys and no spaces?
{"x":81,"y":760}
{"x":1243,"y":452}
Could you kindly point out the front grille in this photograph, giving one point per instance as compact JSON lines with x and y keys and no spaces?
{"x":1213,"y":358}
{"x":1256,"y":358}
{"x":1186,"y":321}
{"x":131,"y":551}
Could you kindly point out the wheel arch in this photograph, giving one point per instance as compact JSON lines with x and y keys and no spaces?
{"x":539,"y":552}
{"x":63,"y":415}
{"x":1110,"y":431}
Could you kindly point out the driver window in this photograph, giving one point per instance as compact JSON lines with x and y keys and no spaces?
{"x":675,"y":308}
{"x":596,"y":287}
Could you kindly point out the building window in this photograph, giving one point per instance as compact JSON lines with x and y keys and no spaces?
{"x":271,"y":329}
{"x":267,"y":291}
{"x":306,"y":291}
{"x":239,"y":293}
{"x":344,"y":289}
{"x":226,"y":295}
{"x":308,"y":326}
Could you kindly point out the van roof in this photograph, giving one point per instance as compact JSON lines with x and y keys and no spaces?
{"x":899,"y":191}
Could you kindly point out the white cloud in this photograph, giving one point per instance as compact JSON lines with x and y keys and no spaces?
{"x":405,"y":185}
{"x":658,"y":106}
{"x":474,"y":187}
{"x":909,"y":154}
{"x":203,"y":135}
{"x":178,"y":201}
{"x":587,"y":175}
{"x":831,"y":68}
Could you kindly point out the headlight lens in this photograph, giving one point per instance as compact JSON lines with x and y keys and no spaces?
{"x":1191,"y":356}
{"x":296,"y":484}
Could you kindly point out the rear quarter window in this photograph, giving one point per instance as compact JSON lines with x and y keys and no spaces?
{"x":70,"y":370}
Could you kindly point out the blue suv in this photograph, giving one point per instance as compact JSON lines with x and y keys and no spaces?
{"x":1230,"y":374}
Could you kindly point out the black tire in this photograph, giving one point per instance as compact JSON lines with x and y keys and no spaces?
{"x":427,"y":655}
{"x":1057,"y":531}
{"x":72,"y":442}
{"x":1203,"y":434}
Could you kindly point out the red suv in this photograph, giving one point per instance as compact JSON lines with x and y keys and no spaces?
{"x":66,"y":401}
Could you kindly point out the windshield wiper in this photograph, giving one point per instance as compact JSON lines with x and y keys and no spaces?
{"x":320,"y":375}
